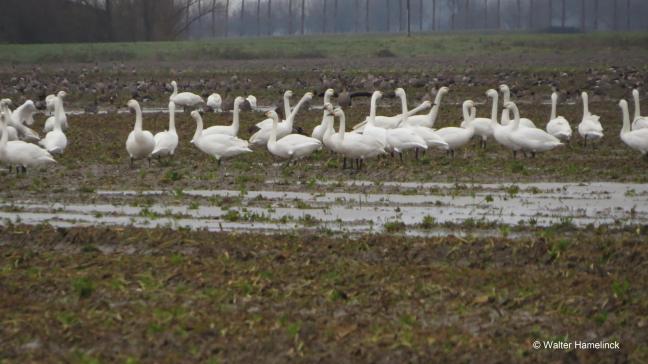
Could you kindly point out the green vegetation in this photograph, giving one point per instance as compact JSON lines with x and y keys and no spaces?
{"x":338,"y":46}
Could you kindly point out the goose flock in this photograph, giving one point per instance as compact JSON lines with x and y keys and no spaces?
{"x":376,"y":135}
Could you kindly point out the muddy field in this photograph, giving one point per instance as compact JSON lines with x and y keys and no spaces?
{"x":415,"y":261}
{"x":169,"y":295}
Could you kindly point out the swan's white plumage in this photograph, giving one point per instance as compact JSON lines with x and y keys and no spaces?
{"x":55,"y":141}
{"x":166,"y":141}
{"x":140,"y":143}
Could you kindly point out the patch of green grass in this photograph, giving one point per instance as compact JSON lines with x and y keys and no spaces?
{"x":394,"y":226}
{"x":83,"y":287}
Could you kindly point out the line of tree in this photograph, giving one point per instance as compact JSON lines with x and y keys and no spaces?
{"x":138,"y":20}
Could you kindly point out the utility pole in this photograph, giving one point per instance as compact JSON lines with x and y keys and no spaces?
{"x":596,"y":14}
{"x":433,"y":15}
{"x":258,"y":16}
{"x":519,"y":15}
{"x":367,"y":16}
{"x":335,"y":16}
{"x":628,"y":14}
{"x":409,"y":29}
{"x":302,"y":17}
{"x":388,"y":11}
{"x":290,"y":18}
{"x":324,"y":17}
{"x":531,"y":14}
{"x":213,"y":19}
{"x":226,"y":18}
{"x":583,"y":15}
{"x":499,"y":14}
{"x":269,"y":17}
{"x":242,"y":21}
{"x":550,"y":12}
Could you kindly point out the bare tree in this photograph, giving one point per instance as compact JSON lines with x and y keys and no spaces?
{"x":499,"y":14}
{"x":258,"y":18}
{"x":583,"y":15}
{"x":616,"y":15}
{"x":335,"y":16}
{"x":468,"y":17}
{"x":213,"y":18}
{"x":628,"y":14}
{"x":324,"y":18}
{"x":226,"y":17}
{"x":400,"y":15}
{"x":485,"y":14}
{"x":452,"y":14}
{"x":356,"y":15}
{"x":562,"y":19}
{"x":388,"y":12}
{"x":531,"y":14}
{"x":550,"y":17}
{"x":519,"y":15}
{"x":596,"y":14}
{"x":420,"y":15}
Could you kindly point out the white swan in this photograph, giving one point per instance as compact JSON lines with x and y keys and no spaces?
{"x":638,"y":122}
{"x":267,"y":123}
{"x":524,"y":122}
{"x":355,"y":146}
{"x":262,"y":136}
{"x":291,"y":146}
{"x":187,"y":99}
{"x":394,"y":140}
{"x":232,"y":129}
{"x":387,"y":122}
{"x":219,"y":146}
{"x":17,"y":121}
{"x":532,"y":140}
{"x":140,"y":143}
{"x":49,"y":123}
{"x":327,"y":138}
{"x":55,"y":141}
{"x":558,"y":126}
{"x":19,"y":153}
{"x":215,"y":102}
{"x":24,"y":113}
{"x":12,"y":134}
{"x":166,"y":141}
{"x":327,"y":118}
{"x":458,"y":137}
{"x":431,"y":138}
{"x":483,"y":127}
{"x":501,"y":134}
{"x":635,"y":139}
{"x":590,"y":126}
{"x":429,"y":119}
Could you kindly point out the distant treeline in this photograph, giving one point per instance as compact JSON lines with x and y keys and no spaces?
{"x":39,"y":21}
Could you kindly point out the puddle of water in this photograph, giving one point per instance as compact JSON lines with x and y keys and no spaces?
{"x":580,"y":204}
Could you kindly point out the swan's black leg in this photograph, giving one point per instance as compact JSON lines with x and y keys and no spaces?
{"x":400,"y":154}
{"x":416,"y":154}
{"x":344,"y":163}
{"x":514,"y":154}
{"x":533,"y":154}
{"x":149,"y":160}
{"x":131,"y":162}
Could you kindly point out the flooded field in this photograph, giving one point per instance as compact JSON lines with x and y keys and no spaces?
{"x":419,"y":209}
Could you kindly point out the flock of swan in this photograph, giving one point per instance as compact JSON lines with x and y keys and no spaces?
{"x":376,"y":135}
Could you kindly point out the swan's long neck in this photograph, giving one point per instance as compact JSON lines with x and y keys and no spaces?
{"x":3,"y":125}
{"x":172,"y":116}
{"x":554,"y":101}
{"x":291,"y":119}
{"x":516,"y":115}
{"x":466,"y":111}
{"x":199,"y":128}
{"x":175,"y":90}
{"x":342,"y":129}
{"x":403,"y":99}
{"x":328,"y":125}
{"x":235,"y":117}
{"x":273,"y":132}
{"x":585,"y":104}
{"x":637,"y":104}
{"x":59,"y":113}
{"x":138,"y":119}
{"x":434,"y":111}
{"x":626,"y":119}
{"x":372,"y":109}
{"x":327,"y":98}
{"x":287,"y":111}
{"x":507,"y":97}
{"x":494,"y":107}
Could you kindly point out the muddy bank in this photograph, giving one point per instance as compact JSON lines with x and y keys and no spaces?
{"x":112,"y":294}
